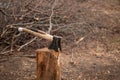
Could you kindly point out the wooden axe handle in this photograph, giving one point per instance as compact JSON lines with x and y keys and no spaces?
{"x":39,"y":33}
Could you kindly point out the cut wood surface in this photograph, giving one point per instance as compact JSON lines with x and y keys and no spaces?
{"x":48,"y":65}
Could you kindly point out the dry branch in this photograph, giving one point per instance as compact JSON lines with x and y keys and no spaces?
{"x":27,"y":43}
{"x":50,"y":21}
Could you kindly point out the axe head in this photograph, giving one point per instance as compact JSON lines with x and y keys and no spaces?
{"x":56,"y":43}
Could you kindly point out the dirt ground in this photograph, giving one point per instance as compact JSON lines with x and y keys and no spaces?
{"x":96,"y":57}
{"x":78,"y":64}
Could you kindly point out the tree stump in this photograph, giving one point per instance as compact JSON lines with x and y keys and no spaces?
{"x":48,"y":64}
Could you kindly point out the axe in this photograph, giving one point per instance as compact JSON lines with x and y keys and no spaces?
{"x":55,"y":40}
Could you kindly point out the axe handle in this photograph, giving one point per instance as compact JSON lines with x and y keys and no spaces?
{"x":38,"y":34}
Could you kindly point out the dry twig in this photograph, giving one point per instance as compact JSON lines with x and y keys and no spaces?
{"x":27,"y":43}
{"x":50,"y":21}
{"x":6,"y":52}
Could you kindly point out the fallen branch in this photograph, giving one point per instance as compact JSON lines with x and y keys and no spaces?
{"x":79,"y":40}
{"x":27,"y":43}
{"x":6,"y":52}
